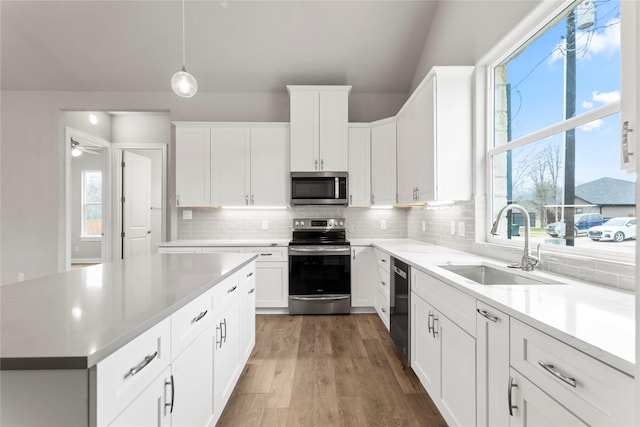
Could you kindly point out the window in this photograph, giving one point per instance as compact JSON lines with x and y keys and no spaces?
{"x":557,"y":128}
{"x":91,"y":203}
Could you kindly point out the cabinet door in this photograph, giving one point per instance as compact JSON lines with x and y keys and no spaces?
{"x":151,"y":408}
{"x":425,"y":143}
{"x":492,"y":365}
{"x":334,"y":130}
{"x":269,"y":167}
{"x":383,"y":165}
{"x":425,"y":346}
{"x":360,"y":166}
{"x":458,"y":372}
{"x":408,"y":162}
{"x":305,"y":130}
{"x":193,"y":166}
{"x":230,"y":170}
{"x":272,"y":284}
{"x":532,"y":407}
{"x":363,"y":276}
{"x":226,"y":355}
{"x":247,"y":313}
{"x":193,"y":384}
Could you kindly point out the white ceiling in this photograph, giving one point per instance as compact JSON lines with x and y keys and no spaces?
{"x":250,"y":46}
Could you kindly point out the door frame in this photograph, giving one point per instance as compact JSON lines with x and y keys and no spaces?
{"x":89,"y":139}
{"x":116,"y":154}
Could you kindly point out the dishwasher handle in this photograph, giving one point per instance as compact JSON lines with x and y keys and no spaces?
{"x":399,"y":272}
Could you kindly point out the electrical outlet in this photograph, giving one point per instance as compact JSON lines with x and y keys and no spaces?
{"x":453,"y":228}
{"x":76,"y":249}
{"x":461,"y":229}
{"x":20,"y":277}
{"x":383,"y":224}
{"x":186,"y":214}
{"x":424,"y":226}
{"x":265,"y":225}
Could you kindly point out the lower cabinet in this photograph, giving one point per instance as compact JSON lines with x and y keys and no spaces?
{"x":247,"y":314}
{"x":363,"y":277}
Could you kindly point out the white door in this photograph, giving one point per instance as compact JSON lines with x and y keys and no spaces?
{"x":136,"y":218}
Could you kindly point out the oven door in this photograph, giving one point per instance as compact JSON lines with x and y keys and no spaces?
{"x":319,"y":279}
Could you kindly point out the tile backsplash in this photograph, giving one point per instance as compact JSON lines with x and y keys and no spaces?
{"x":208,"y":223}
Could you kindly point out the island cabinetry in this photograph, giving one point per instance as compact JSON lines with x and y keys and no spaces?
{"x":443,"y":351}
{"x":247,"y":314}
{"x":363,"y":276}
{"x":580,"y":387}
{"x":492,"y":365}
{"x":319,"y":128}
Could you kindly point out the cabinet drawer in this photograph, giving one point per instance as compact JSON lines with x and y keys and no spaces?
{"x":270,"y":254}
{"x":382,"y":307}
{"x":226,"y":291}
{"x":122,"y":376}
{"x":384,"y":281}
{"x":189,"y":322}
{"x":456,"y":305}
{"x":597,"y":393}
{"x":383,"y":259}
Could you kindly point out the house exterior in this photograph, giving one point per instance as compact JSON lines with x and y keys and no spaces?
{"x":610,"y":197}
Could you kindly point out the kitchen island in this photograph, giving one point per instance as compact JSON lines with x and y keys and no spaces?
{"x":78,"y":348}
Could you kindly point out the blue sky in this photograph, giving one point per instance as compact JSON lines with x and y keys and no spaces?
{"x":537,"y":80}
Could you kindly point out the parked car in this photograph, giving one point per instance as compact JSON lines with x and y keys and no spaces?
{"x":617,"y":229}
{"x":581,"y":222}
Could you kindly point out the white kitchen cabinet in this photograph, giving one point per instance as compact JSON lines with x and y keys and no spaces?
{"x":383,"y":284}
{"x":152,"y":408}
{"x":249,"y":166}
{"x":363,"y":276}
{"x":383,"y":163}
{"x":492,"y":365}
{"x":319,"y":128}
{"x":443,"y":352}
{"x":247,"y":313}
{"x":193,"y":166}
{"x":359,"y":165}
{"x":434,"y":138}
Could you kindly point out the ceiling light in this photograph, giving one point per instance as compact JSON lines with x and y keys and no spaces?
{"x":93,"y":119}
{"x":183,"y":83}
{"x":75,"y":148}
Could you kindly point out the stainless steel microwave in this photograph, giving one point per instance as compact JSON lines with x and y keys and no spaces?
{"x":319,"y":188}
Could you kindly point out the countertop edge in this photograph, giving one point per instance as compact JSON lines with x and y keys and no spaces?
{"x":186,"y":243}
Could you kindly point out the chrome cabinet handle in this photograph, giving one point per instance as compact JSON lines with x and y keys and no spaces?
{"x":553,"y":371}
{"x":178,"y":200}
{"x":435,"y":328}
{"x":429,"y":324}
{"x":252,"y":290}
{"x":383,"y":310}
{"x":173,"y":394}
{"x":321,"y":164}
{"x":625,"y":141}
{"x":139,"y":367}
{"x":199,"y":317}
{"x":219,"y":342}
{"x":253,"y":199}
{"x":354,"y":254}
{"x":266,"y":254}
{"x":232,"y":289}
{"x":486,"y":315}
{"x":383,"y":260}
{"x":383,"y":283}
{"x":224,"y":322}
{"x":315,"y":164}
{"x":246,"y":199}
{"x":372,"y":199}
{"x":250,"y":274}
{"x":509,"y":396}
{"x":350,"y":199}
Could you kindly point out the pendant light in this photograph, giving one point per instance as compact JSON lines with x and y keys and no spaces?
{"x":183,"y":83}
{"x":75,"y":148}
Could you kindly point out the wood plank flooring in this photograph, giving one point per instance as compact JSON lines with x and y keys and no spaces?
{"x":327,"y":371}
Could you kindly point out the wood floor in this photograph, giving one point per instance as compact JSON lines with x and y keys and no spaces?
{"x":327,"y":371}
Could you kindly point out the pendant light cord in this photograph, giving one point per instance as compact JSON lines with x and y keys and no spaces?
{"x":183,"y":37}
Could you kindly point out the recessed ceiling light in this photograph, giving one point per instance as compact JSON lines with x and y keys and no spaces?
{"x":93,"y":119}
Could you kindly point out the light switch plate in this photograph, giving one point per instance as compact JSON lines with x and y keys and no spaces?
{"x":453,"y":228}
{"x":383,"y":224}
{"x":424,"y":226}
{"x":265,"y":225}
{"x":187,"y":214}
{"x":461,"y":229}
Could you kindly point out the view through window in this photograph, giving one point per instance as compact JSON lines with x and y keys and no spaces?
{"x":91,"y":203}
{"x":557,"y":134}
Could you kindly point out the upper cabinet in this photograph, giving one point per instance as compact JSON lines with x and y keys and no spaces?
{"x":383,"y":163}
{"x":219,"y":164}
{"x":359,"y":165}
{"x":434,"y":138}
{"x":319,"y":128}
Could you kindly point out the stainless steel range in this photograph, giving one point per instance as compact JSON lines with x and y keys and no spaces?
{"x":319,"y":267}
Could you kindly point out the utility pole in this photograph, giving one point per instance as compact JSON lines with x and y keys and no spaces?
{"x":570,"y":135}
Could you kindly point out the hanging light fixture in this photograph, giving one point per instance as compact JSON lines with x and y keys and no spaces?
{"x":75,"y":148}
{"x":183,"y":83}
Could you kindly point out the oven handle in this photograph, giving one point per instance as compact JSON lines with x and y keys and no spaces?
{"x":320,"y":251}
{"x":323,"y":298}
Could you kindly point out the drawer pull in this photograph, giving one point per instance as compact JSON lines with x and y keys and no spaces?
{"x":383,"y":260}
{"x":486,"y":315}
{"x":383,"y":283}
{"x":435,"y":328}
{"x":141,"y":365}
{"x":252,"y":290}
{"x":199,"y":317}
{"x":232,"y":289}
{"x":223,"y":338}
{"x":266,"y":254}
{"x":383,"y":310}
{"x":173,"y":393}
{"x":553,"y":371}
{"x":509,"y":398}
{"x":429,"y":324}
{"x":250,"y":274}
{"x":219,"y":342}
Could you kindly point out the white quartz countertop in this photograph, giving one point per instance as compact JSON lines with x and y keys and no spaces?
{"x":224,"y":242}
{"x":75,"y":319}
{"x":596,"y":320}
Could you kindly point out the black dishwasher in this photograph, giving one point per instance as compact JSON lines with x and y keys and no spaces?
{"x":399,"y":308}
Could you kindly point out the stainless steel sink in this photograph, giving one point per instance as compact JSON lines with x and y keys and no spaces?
{"x":487,"y":275}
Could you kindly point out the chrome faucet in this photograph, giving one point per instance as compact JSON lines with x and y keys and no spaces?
{"x":528,"y":261}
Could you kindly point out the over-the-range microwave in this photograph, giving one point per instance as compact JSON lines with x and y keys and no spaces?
{"x":319,"y":188}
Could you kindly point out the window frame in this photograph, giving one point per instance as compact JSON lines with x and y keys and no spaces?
{"x":83,"y":204}
{"x":536,"y":22}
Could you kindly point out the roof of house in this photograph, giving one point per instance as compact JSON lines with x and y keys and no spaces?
{"x":607,"y":192}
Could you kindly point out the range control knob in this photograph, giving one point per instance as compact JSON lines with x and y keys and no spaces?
{"x":341,"y":223}
{"x":296,"y":223}
{"x":302,"y":223}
